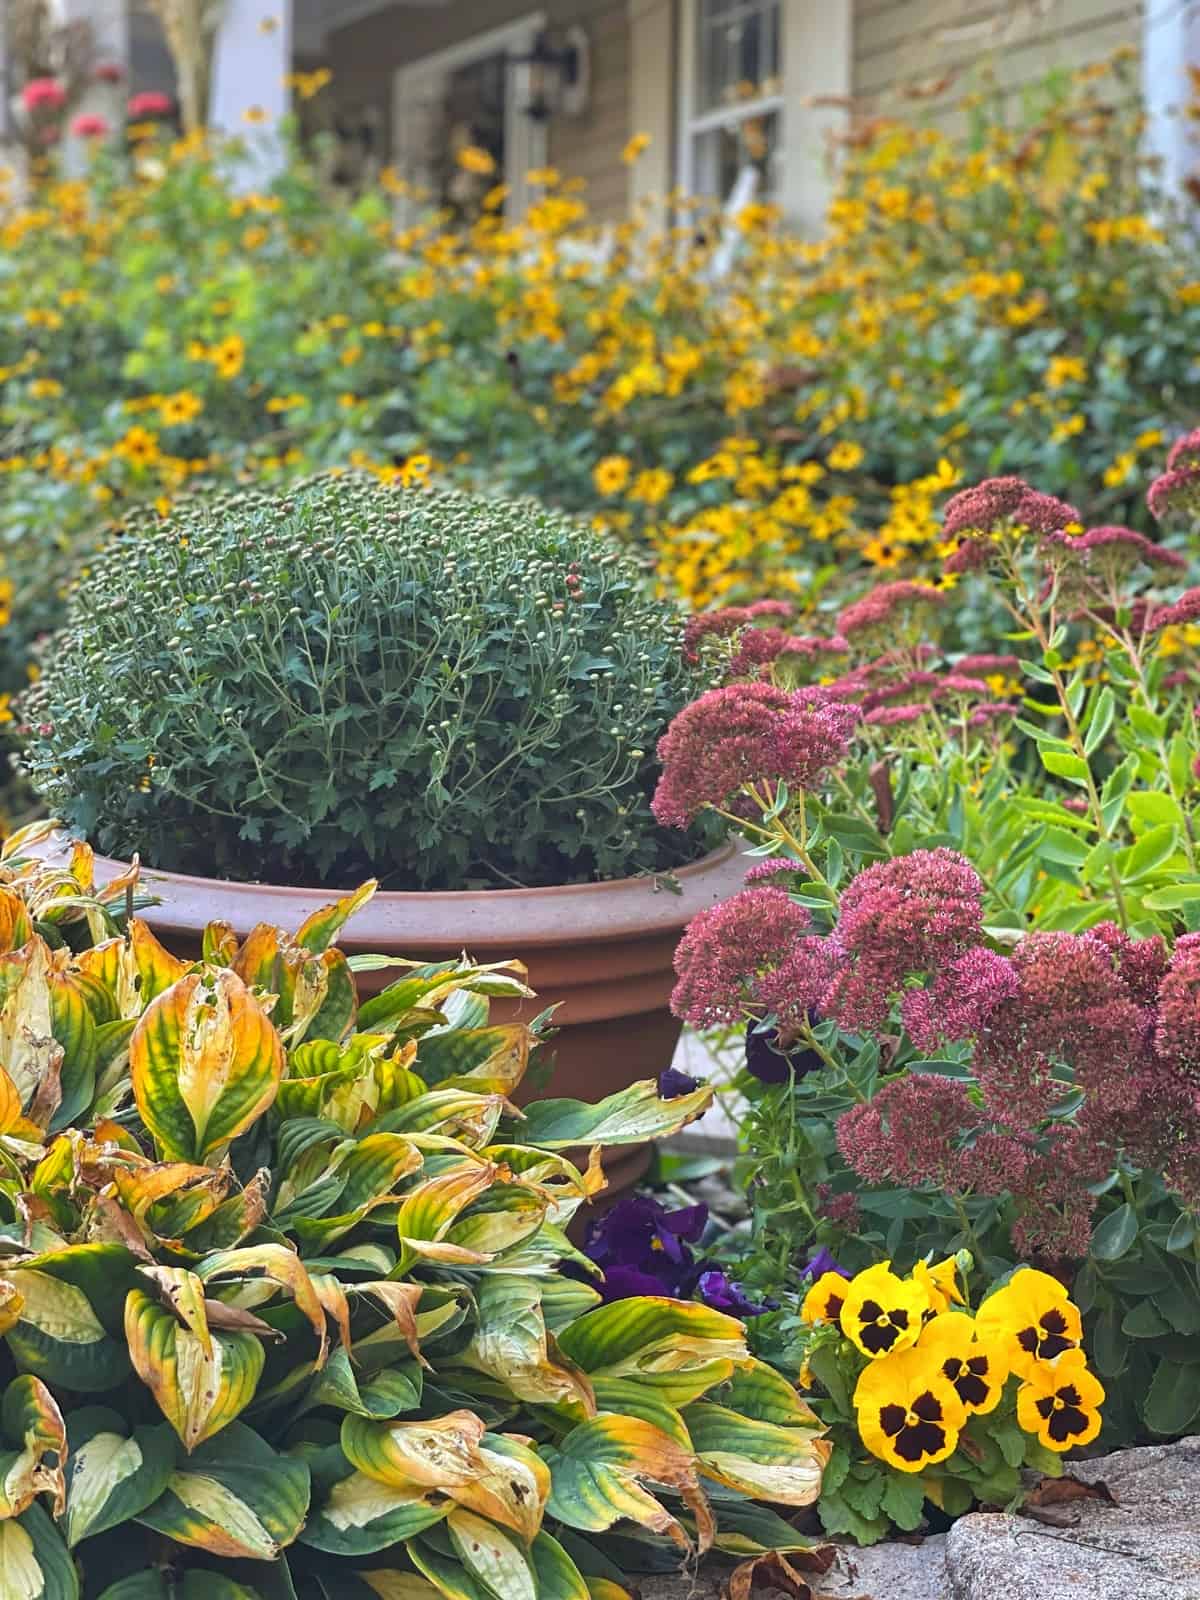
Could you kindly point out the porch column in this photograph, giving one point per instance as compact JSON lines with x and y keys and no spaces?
{"x":251,"y":63}
{"x":816,"y":66}
{"x":1170,"y":44}
{"x":104,"y":96}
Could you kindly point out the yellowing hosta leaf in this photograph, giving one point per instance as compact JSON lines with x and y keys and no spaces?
{"x":318,"y":931}
{"x":679,"y":1348}
{"x":510,"y":1344}
{"x":32,"y":1422}
{"x":630,"y":1116}
{"x":757,"y":1390}
{"x":134,"y":970}
{"x":28,"y":1047}
{"x":391,"y":1585}
{"x":112,"y":1473}
{"x":235,"y":1497}
{"x":205,"y":1063}
{"x":280,"y":1265}
{"x":512,"y":1486}
{"x":370,"y":1170}
{"x":429,"y":1211}
{"x":15,"y":926}
{"x":558,"y":1578}
{"x":358,"y":1516}
{"x":760,"y":1459}
{"x":492,"y":1556}
{"x":455,"y":1113}
{"x":57,"y":1334}
{"x":34,"y":1563}
{"x":596,"y":1477}
{"x":200,"y":1382}
{"x":12,"y":1303}
{"x":440,"y":1454}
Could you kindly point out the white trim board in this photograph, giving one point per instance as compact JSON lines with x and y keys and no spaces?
{"x":524,"y":139}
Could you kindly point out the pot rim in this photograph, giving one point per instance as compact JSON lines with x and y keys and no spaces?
{"x":576,"y":913}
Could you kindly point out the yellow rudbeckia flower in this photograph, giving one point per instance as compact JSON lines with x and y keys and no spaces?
{"x":909,"y":1415}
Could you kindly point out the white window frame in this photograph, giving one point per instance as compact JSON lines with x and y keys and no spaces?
{"x":524,"y":138}
{"x":815,"y":60}
{"x":693,"y":124}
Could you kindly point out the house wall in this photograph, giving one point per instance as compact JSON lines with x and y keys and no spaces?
{"x":365,"y":55}
{"x":901,"y":43}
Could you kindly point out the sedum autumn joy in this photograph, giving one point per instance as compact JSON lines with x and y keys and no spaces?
{"x":282,"y":1306}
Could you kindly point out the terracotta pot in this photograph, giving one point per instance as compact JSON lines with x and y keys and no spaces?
{"x":600,"y":951}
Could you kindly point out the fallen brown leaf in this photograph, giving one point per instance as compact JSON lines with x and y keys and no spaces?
{"x":779,"y":1574}
{"x":1055,"y":1502}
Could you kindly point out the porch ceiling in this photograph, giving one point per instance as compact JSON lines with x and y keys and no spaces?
{"x":313,"y":20}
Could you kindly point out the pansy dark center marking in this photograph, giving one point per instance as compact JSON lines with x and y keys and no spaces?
{"x":1047,"y":1337}
{"x":833,"y":1306}
{"x":917,"y":1431}
{"x":969,"y":1378}
{"x":1064,"y":1413}
{"x":880,"y":1327}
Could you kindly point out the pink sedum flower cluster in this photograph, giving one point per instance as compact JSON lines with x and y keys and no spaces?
{"x":746,"y":733}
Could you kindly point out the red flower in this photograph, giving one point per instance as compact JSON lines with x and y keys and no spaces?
{"x":87,"y":125}
{"x":149,"y":103}
{"x":43,"y":94}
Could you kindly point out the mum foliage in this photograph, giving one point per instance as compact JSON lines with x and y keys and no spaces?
{"x":437,"y":689}
{"x":282,"y":1308}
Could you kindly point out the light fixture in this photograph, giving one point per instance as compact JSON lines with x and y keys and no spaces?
{"x":558,"y":75}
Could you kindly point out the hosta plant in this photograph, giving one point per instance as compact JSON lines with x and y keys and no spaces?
{"x":283,"y":1301}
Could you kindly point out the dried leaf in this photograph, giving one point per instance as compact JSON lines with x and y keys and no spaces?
{"x":780,"y":1574}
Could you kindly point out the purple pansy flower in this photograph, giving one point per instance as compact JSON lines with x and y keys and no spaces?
{"x":673,"y":1084}
{"x":770,"y":1063}
{"x":717,"y":1291}
{"x":820,"y":1262}
{"x":640,"y":1241}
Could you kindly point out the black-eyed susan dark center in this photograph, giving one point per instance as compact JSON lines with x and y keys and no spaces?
{"x":1047,"y":1337}
{"x":1064,"y":1413}
{"x":881,"y":1327}
{"x":969,"y":1377}
{"x":916,"y":1432}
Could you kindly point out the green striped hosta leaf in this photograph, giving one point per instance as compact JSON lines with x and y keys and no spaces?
{"x":356,"y":1515}
{"x":60,"y":1335}
{"x":631,"y":1116}
{"x":387,"y":1394}
{"x":597,"y":1472}
{"x":461,"y":1114}
{"x":761,"y":1459}
{"x":113,"y":1471}
{"x":234,"y":1497}
{"x":492,"y":1556}
{"x":356,"y":1179}
{"x":205,"y":1062}
{"x":487,"y":1060}
{"x":746,"y":1529}
{"x":757,"y":1390}
{"x":510,"y":1344}
{"x":558,"y":1578}
{"x":34,"y":1562}
{"x":677,"y":1347}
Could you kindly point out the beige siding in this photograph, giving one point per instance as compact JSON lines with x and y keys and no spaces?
{"x":365,"y":56}
{"x":902,"y":43}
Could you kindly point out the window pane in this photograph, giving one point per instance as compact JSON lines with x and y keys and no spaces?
{"x":722,"y":153}
{"x":738,"y":46}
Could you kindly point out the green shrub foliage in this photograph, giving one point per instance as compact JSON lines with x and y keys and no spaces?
{"x":440,"y":690}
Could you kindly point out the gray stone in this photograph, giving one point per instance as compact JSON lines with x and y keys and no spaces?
{"x":1146,"y":1545}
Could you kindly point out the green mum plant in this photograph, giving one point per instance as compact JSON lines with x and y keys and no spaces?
{"x":282,"y":1307}
{"x":355,"y":679}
